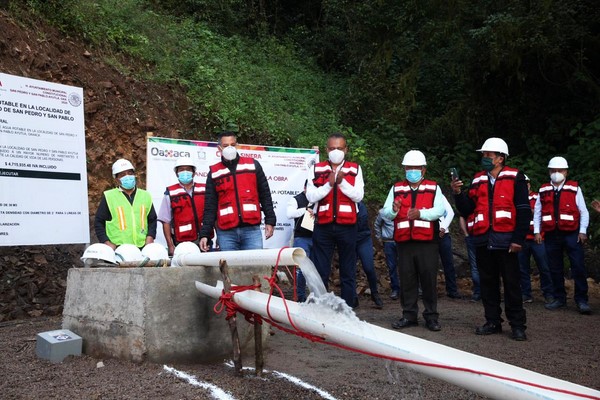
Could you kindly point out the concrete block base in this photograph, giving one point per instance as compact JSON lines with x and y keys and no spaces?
{"x":153,"y":314}
{"x":56,"y":345}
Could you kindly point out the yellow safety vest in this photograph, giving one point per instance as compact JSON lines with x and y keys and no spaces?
{"x":129,"y":223}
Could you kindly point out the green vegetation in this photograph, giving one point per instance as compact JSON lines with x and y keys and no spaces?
{"x":394,"y":75}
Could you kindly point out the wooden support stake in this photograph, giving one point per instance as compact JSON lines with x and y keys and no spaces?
{"x":235,"y":339}
{"x":258,"y":349}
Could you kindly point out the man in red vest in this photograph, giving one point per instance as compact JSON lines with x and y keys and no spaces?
{"x":561,"y":214}
{"x":335,"y":186}
{"x":416,"y":205}
{"x":182,"y":207}
{"x":498,"y":204}
{"x":538,"y":250}
{"x":237,"y":192}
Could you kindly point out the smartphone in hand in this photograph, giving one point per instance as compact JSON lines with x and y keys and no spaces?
{"x":454,"y":174}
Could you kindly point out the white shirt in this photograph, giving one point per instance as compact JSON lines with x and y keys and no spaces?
{"x":354,"y":192}
{"x":584,"y":215}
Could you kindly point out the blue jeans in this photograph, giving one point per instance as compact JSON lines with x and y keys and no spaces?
{"x":556,"y":242}
{"x":530,"y":247}
{"x":244,"y":238}
{"x":391,"y":257}
{"x":445,"y":250}
{"x":326,"y":238}
{"x":306,"y":244}
{"x":473,"y":264}
{"x":364,"y":251}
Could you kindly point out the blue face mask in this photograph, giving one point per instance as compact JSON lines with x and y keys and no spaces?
{"x":185,"y":177}
{"x":414,"y":175}
{"x":128,"y":182}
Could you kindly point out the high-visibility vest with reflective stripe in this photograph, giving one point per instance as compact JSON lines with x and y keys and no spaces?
{"x":418,"y":229}
{"x":187,"y":211}
{"x":238,"y":200}
{"x":502,"y":217}
{"x":129,"y":223}
{"x":336,"y":206}
{"x":568,"y":212}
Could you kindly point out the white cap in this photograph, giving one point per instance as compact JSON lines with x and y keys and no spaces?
{"x":98,"y":251}
{"x":128,"y":252}
{"x":558,"y":162}
{"x":155,"y":251}
{"x":414,"y":158}
{"x":495,"y":144}
{"x":184,"y":161}
{"x":121,"y":165}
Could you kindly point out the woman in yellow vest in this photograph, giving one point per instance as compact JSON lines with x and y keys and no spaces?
{"x":125,"y":214}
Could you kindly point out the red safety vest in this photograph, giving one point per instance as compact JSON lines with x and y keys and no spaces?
{"x":568,"y":212}
{"x":187,"y":211}
{"x":238,"y":200}
{"x":418,"y":229}
{"x":336,"y":206}
{"x":532,"y":199}
{"x":503,"y":213}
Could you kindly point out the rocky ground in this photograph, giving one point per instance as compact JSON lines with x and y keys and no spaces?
{"x":562,"y":344}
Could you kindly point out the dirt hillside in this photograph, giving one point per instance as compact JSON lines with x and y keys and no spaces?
{"x":119,"y":111}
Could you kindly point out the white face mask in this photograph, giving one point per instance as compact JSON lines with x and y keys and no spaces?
{"x":229,"y":153}
{"x":336,"y":156}
{"x":557,"y":177}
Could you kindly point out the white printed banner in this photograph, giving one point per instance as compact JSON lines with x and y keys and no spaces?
{"x":43,"y":177}
{"x":286,"y":170}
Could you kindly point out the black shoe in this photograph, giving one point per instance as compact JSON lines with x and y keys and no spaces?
{"x":584,"y":308}
{"x":433,"y":325}
{"x":455,"y":295}
{"x":355,"y":305}
{"x":556,"y":304}
{"x":394,"y":295}
{"x":549,"y":299}
{"x":488,"y":328}
{"x":377,"y":300}
{"x":403,"y":323}
{"x":518,"y":334}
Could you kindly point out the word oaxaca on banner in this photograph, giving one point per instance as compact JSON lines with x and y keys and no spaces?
{"x":286,"y":170}
{"x":43,"y":177}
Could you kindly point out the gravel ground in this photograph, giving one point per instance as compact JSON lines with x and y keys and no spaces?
{"x":562,"y":344}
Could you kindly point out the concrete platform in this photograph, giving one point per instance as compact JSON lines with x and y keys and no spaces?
{"x":154,"y":314}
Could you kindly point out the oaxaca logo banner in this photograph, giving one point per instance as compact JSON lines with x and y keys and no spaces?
{"x":286,"y":170}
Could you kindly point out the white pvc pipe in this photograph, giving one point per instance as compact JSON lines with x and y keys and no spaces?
{"x":289,"y":256}
{"x":370,"y":338}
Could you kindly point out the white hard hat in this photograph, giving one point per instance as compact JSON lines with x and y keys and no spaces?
{"x":186,"y":248}
{"x":558,"y":162}
{"x":121,"y":165}
{"x":155,"y":251}
{"x":495,"y":144}
{"x":128,"y":252}
{"x":98,"y":251}
{"x":184,"y":161}
{"x":414,"y":158}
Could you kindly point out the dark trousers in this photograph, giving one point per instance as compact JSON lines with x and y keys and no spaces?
{"x":364,"y":251}
{"x":448,"y":263}
{"x":556,"y":243}
{"x":391,"y":257}
{"x":417,"y":265}
{"x":493,"y":265}
{"x":325,"y":239}
{"x":530,"y":247}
